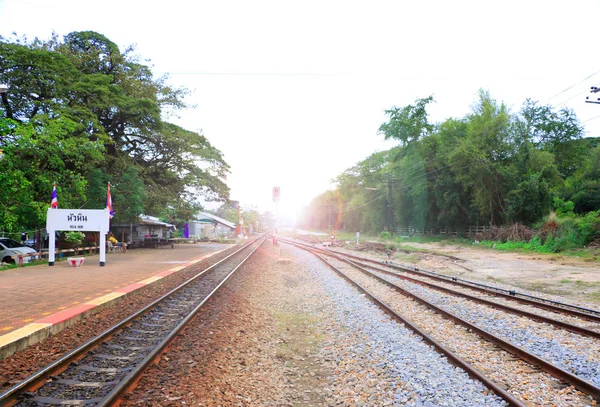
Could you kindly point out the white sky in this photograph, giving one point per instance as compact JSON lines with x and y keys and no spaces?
{"x":293,"y":92}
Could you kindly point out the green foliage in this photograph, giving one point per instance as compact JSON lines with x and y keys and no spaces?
{"x":408,"y":123}
{"x":130,"y":196}
{"x":385,"y":235}
{"x":573,"y":232}
{"x":81,"y":112}
{"x":229,"y":211}
{"x":490,"y":167}
{"x":76,"y":238}
{"x":562,"y":207}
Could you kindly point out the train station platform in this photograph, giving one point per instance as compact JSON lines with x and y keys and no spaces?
{"x":37,"y":301}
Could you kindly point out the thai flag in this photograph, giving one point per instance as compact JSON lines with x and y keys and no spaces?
{"x":109,"y":203}
{"x":54,"y":203}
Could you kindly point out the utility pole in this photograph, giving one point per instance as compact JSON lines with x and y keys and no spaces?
{"x":389,"y":215}
{"x":329,"y":218}
{"x":595,"y":98}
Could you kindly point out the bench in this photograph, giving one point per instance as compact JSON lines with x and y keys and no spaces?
{"x":155,"y":242}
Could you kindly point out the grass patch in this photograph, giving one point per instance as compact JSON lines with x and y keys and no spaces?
{"x":551,"y":245}
{"x":565,"y":281}
{"x":31,"y":263}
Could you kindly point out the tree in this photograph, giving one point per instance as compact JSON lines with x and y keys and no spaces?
{"x":129,"y":196}
{"x":37,"y":154}
{"x":587,"y":192}
{"x":85,"y":111}
{"x":554,"y":131}
{"x":409,"y":123}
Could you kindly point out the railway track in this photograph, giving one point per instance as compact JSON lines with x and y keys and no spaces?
{"x":384,"y":286}
{"x":588,"y":314}
{"x":98,"y":372}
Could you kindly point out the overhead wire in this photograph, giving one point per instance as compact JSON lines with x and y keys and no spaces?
{"x":572,"y":86}
{"x":403,"y":187}
{"x":571,"y":98}
{"x":590,"y":119}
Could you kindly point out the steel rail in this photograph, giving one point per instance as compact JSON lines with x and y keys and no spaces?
{"x":580,"y":383}
{"x":452,"y":358}
{"x":128,"y":381}
{"x":569,"y":327}
{"x":35,"y":381}
{"x":573,"y":310}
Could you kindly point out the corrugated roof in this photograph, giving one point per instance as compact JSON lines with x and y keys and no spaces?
{"x":151,"y":220}
{"x":204,"y":217}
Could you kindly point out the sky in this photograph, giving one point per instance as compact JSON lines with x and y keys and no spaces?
{"x":293,"y":92}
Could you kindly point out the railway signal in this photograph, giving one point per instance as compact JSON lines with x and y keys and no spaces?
{"x":276,"y":194}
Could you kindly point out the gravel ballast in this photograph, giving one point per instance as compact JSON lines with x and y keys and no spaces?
{"x":290,"y":332}
{"x":523,"y":381}
{"x":572,"y":352}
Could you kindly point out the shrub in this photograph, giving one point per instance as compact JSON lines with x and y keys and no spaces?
{"x":556,"y":234}
{"x":563,"y":207}
{"x":385,"y":235}
{"x":76,"y":238}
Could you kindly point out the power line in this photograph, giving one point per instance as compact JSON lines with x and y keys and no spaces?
{"x":346,"y":210}
{"x":245,"y":73}
{"x":571,"y":98}
{"x":590,"y":119}
{"x":570,"y":87}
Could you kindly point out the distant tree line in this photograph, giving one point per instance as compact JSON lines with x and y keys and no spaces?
{"x":491,"y":167}
{"x":80,"y":112}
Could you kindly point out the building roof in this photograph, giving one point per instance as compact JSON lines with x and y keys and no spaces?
{"x":210,"y":218}
{"x":151,"y":220}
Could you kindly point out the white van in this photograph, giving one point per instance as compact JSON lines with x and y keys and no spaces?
{"x":9,"y":248}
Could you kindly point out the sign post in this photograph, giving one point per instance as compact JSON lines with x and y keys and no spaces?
{"x":80,"y":220}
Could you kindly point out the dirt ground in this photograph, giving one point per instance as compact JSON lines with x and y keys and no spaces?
{"x":569,"y":278}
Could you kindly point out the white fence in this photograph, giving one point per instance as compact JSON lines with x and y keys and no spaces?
{"x":467,"y":231}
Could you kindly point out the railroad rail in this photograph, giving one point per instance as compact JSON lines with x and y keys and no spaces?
{"x":99,"y":371}
{"x":541,"y":318}
{"x":556,"y":371}
{"x":513,"y":295}
{"x":452,"y":357}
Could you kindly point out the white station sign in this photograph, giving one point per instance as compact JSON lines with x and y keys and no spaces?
{"x":80,"y":220}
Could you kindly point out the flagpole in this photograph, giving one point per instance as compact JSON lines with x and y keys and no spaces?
{"x":110,"y":207}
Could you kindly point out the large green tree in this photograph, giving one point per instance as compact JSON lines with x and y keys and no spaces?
{"x":84,"y":111}
{"x":492,"y":166}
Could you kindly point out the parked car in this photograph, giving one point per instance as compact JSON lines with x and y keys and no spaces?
{"x":9,"y":248}
{"x":30,"y":243}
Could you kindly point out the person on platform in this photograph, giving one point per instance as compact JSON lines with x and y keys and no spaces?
{"x":111,"y":238}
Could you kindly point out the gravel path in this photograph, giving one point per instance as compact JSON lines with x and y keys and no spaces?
{"x":523,"y":381}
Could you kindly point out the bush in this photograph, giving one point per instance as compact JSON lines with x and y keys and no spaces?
{"x":556,"y":234}
{"x":385,"y":235}
{"x":75,"y":238}
{"x":563,"y":207}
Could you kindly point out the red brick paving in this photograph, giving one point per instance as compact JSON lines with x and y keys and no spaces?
{"x":31,"y":293}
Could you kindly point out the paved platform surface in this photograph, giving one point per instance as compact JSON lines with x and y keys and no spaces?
{"x":41,"y":295}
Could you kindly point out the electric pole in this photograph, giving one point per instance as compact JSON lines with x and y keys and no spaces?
{"x":389,"y":215}
{"x":594,"y":98}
